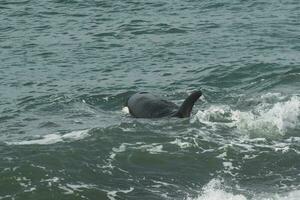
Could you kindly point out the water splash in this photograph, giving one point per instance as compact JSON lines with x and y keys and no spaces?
{"x":214,"y":191}
{"x":268,"y":119}
{"x":274,"y":121}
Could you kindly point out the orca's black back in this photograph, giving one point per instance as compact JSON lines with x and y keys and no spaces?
{"x":146,"y":105}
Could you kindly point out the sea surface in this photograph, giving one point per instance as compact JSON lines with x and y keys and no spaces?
{"x":68,"y":66}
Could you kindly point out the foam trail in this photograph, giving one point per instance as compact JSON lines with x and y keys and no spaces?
{"x":54,"y":138}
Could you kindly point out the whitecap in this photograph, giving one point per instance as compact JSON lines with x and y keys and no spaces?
{"x":54,"y":138}
{"x":181,"y":143}
{"x":215,"y":190}
{"x":113,"y":194}
{"x":152,"y":148}
{"x":274,"y":121}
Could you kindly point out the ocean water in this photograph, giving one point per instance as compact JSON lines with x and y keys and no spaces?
{"x":67,"y":67}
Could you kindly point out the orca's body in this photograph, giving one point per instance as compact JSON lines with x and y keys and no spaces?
{"x":147,"y":105}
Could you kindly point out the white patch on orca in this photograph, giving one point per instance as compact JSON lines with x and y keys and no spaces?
{"x":125,"y":110}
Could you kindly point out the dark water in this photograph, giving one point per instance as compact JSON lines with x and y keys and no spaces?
{"x":67,"y":67}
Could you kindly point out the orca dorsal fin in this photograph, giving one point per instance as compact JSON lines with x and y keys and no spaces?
{"x":187,"y":106}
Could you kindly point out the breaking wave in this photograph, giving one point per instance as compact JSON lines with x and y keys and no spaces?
{"x":266,"y":119}
{"x":216,"y":190}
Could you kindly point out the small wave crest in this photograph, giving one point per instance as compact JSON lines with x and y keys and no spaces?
{"x":54,"y":138}
{"x":265,"y":119}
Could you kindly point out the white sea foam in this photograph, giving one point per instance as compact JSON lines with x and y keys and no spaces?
{"x":214,"y":115}
{"x":266,"y":119}
{"x":161,"y":183}
{"x":181,"y":143}
{"x":215,"y":190}
{"x":54,"y":138}
{"x":153,"y":148}
{"x":113,"y":194}
{"x":81,"y":186}
{"x":78,"y":187}
{"x":108,"y":166}
{"x":6,"y":197}
{"x":276,"y":120}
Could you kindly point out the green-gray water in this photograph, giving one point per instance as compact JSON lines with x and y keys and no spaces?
{"x":68,"y":66}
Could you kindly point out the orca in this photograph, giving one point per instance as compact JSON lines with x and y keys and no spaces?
{"x":147,"y":105}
